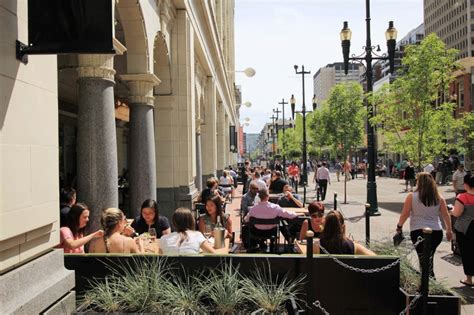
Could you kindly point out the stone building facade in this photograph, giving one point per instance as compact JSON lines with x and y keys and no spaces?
{"x":159,"y":111}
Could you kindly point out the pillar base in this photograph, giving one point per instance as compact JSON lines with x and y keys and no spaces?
{"x":169,"y":199}
{"x":38,"y":286}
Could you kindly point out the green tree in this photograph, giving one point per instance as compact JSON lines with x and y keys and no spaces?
{"x":292,"y":140}
{"x":414,"y":113}
{"x":339,"y":123}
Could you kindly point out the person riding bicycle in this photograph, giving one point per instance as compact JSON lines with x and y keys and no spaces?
{"x":294,"y":175}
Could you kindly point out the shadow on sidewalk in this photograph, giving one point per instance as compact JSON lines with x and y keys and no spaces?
{"x":466,"y":292}
{"x":392,"y":206}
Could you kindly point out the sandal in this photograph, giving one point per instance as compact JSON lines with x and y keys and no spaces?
{"x":467,"y":283}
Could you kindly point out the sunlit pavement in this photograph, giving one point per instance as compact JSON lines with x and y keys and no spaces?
{"x":391,"y":195}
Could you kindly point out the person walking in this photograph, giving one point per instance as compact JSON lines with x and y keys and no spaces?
{"x":424,"y":207}
{"x":338,"y":169}
{"x":458,"y":180}
{"x":323,"y":178}
{"x":464,"y":228}
{"x":347,"y":169}
{"x":409,"y":176}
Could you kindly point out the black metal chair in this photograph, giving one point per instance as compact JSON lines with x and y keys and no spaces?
{"x":200,"y":209}
{"x":273,"y":235}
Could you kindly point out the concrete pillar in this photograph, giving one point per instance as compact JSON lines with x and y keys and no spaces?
{"x":221,"y":159}
{"x":198,"y":178}
{"x":175,"y":125}
{"x":96,"y":137}
{"x":142,"y":164}
{"x":209,"y":131}
{"x":226,"y":140}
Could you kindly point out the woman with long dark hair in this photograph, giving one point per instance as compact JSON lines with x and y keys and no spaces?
{"x":150,"y":218}
{"x":214,"y":210}
{"x":185,"y":240}
{"x":334,"y":239}
{"x":114,"y":222}
{"x":72,"y":238}
{"x":423,"y":207}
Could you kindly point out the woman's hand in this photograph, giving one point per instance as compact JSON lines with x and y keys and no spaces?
{"x":128,"y":230}
{"x":449,"y":235}
{"x":98,"y":234}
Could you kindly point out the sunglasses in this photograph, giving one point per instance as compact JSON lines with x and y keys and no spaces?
{"x":317,"y":215}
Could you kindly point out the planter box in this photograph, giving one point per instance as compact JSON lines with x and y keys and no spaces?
{"x":437,"y":304}
{"x":291,"y":308}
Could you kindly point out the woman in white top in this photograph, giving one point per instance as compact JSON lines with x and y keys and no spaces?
{"x":424,"y":207}
{"x":185,"y":240}
{"x":226,"y":182}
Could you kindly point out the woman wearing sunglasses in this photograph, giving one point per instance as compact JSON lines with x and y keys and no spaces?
{"x":315,"y":222}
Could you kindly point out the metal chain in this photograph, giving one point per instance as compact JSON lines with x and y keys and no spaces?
{"x":411,"y":305}
{"x":375,"y":270}
{"x":317,"y":303}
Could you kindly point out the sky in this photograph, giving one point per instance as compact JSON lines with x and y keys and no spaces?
{"x":273,"y":35}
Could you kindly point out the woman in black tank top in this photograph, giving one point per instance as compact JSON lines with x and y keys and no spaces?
{"x":315,"y":222}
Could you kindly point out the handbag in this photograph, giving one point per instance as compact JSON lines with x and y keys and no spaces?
{"x":398,"y":238}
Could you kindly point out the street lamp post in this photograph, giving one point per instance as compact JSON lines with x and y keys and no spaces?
{"x":391,"y":35}
{"x":303,"y":112}
{"x":277,"y":111}
{"x":273,"y":137}
{"x":282,"y":103}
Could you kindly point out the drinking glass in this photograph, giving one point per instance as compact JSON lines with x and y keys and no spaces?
{"x":207,"y":231}
{"x":152,"y":232}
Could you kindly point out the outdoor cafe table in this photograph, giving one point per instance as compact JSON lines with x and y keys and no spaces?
{"x":151,"y":247}
{"x":298,"y":211}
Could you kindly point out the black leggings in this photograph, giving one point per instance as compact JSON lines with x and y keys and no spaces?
{"x":466,"y":245}
{"x":436,"y":238}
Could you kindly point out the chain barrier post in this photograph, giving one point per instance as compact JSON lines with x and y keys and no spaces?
{"x":309,"y":244}
{"x":425,"y":269}
{"x":367,"y":224}
{"x":335,"y":201}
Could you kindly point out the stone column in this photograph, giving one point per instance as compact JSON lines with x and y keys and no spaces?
{"x":209,"y":131}
{"x":220,"y":139}
{"x":96,"y":137}
{"x":198,"y":180}
{"x":142,"y":164}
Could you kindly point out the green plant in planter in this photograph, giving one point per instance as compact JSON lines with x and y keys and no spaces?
{"x":183,"y":295}
{"x":133,"y":287}
{"x":268,"y":294}
{"x":410,"y":278}
{"x":224,"y":288}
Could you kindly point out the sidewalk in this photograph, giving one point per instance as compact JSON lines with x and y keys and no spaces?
{"x":391,"y":196}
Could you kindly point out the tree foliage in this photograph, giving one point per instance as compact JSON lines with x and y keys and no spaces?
{"x":339,"y":123}
{"x":414,"y":113}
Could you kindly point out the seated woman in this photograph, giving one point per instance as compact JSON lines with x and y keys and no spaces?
{"x":208,"y":221}
{"x":113,"y":222}
{"x":71,"y":236}
{"x":315,"y":222}
{"x":185,"y":240}
{"x":334,"y":240}
{"x":150,"y":218}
